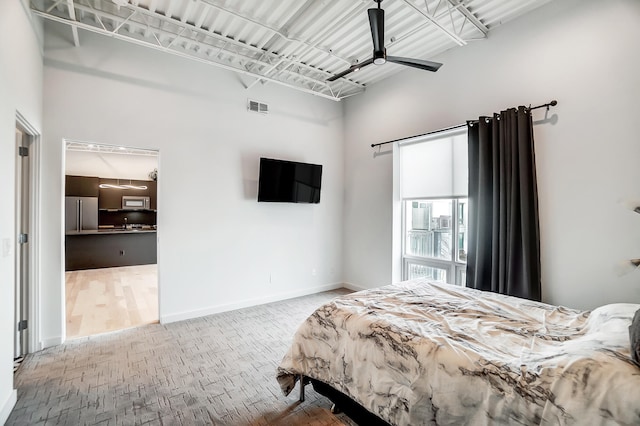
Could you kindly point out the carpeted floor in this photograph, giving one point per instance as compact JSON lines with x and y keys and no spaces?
{"x":215,"y":370}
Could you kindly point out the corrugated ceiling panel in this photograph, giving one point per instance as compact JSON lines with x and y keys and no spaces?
{"x":299,"y":42}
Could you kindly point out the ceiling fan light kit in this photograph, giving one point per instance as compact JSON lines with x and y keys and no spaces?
{"x":379,"y":58}
{"x":376,"y":22}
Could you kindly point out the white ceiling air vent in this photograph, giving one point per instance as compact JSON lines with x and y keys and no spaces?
{"x":256,"y":106}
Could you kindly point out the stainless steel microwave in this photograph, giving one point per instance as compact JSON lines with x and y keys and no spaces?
{"x":135,"y":202}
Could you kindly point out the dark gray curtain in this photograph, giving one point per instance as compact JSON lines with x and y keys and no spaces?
{"x":504,"y":237}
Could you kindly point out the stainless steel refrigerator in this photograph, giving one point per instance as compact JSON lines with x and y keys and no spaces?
{"x":81,"y":213}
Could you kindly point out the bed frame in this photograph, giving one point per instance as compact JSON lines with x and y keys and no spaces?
{"x":341,"y":403}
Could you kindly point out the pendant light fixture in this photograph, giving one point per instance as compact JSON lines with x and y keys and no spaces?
{"x":123,"y":186}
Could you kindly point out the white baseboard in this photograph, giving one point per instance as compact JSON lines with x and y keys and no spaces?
{"x":51,"y":341}
{"x":7,"y":406}
{"x":354,"y":287}
{"x":247,"y":303}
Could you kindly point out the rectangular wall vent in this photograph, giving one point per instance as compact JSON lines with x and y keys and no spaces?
{"x":256,"y":106}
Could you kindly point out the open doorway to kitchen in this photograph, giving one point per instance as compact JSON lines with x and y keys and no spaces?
{"x":111,"y":270}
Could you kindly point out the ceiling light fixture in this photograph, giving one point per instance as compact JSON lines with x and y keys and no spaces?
{"x":123,"y":186}
{"x":134,"y":186}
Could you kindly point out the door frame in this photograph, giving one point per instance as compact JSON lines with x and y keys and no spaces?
{"x":32,"y":139}
{"x":63,"y":301}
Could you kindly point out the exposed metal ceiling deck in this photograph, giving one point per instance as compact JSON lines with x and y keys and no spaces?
{"x":295,"y":43}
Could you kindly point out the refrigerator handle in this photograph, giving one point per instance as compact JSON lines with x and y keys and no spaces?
{"x":80,"y":216}
{"x":77,"y":215}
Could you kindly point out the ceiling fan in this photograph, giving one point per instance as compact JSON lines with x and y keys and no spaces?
{"x":376,"y":21}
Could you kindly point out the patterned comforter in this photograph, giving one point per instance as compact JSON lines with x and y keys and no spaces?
{"x":420,"y":352}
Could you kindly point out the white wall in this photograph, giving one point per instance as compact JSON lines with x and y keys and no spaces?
{"x":585,"y":54}
{"x":20,"y":91}
{"x":218,"y":247}
{"x":107,"y":165}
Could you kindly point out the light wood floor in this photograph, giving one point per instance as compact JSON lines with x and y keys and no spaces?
{"x":109,"y":299}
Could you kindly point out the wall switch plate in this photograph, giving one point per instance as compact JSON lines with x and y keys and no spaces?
{"x":6,"y":247}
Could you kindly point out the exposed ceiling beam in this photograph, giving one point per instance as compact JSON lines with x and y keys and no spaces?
{"x":460,"y":7}
{"x":268,"y":28}
{"x":280,"y":33}
{"x":296,"y":43}
{"x":315,"y":86}
{"x":81,"y":146}
{"x":453,"y":36}
{"x":202,"y":31}
{"x":72,"y":15}
{"x":300,"y":50}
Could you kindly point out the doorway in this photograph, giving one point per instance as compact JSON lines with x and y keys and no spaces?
{"x":26,"y":307}
{"x":111,"y":271}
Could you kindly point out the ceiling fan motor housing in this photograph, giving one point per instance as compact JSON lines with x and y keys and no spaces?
{"x":380,"y":57}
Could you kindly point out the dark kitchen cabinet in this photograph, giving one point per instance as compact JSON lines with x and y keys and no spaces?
{"x":153,"y":194}
{"x":81,"y":186}
{"x":109,"y":249}
{"x":111,"y":198}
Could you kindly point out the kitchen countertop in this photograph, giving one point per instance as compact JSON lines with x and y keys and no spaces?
{"x":110,"y":231}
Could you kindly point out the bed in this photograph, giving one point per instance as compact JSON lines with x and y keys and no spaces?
{"x":421,"y":352}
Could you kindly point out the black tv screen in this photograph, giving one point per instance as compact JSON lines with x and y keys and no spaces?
{"x":289,"y":182}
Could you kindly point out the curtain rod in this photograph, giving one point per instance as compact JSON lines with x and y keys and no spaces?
{"x":373,"y":145}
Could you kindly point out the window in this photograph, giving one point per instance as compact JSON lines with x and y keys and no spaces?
{"x":435,"y":246}
{"x":433,"y":188}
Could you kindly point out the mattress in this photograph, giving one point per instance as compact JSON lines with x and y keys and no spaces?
{"x":421,"y":352}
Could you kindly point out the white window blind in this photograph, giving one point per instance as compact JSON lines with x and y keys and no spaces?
{"x":434,"y":168}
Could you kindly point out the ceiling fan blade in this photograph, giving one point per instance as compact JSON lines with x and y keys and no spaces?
{"x":351,"y":69}
{"x":416,"y":63}
{"x":376,"y":22}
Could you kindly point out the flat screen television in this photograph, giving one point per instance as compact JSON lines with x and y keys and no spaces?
{"x":289,"y":181}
